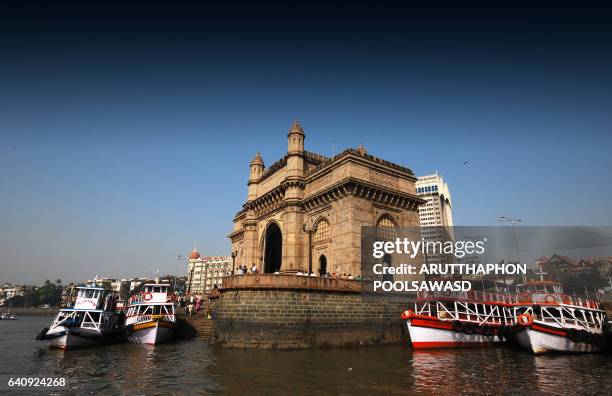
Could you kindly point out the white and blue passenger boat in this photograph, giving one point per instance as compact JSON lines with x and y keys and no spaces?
{"x":92,"y":320}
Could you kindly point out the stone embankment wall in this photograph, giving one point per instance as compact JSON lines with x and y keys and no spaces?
{"x":303,"y":313}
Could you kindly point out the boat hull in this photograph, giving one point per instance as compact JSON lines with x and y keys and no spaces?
{"x":540,"y":340}
{"x":437,"y":335}
{"x":151,"y":333}
{"x":68,"y":340}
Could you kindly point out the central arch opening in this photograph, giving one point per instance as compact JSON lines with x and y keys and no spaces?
{"x":273,"y":255}
{"x":322,"y":265}
{"x":386,"y":264}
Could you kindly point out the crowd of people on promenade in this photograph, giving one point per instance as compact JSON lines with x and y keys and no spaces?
{"x":193,"y":302}
{"x":243,"y":270}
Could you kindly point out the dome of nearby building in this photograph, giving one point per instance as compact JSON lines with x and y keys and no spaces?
{"x":194,"y":255}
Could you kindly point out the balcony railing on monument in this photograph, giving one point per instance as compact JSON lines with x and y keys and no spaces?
{"x":291,"y":281}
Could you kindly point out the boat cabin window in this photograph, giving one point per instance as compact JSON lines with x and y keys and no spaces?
{"x":156,"y":289}
{"x":88,"y":293}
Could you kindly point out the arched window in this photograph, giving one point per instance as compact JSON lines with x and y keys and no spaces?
{"x":322,"y":232}
{"x":386,"y":228}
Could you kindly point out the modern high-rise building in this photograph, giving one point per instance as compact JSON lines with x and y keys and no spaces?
{"x":435,"y":214}
{"x":438,"y":209}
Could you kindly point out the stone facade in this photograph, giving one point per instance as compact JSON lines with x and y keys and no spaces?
{"x":309,"y":209}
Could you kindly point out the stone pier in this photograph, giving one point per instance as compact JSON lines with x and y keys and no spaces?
{"x":290,"y":311}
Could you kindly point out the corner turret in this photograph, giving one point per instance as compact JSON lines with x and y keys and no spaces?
{"x":295,"y":139}
{"x":257,"y":169}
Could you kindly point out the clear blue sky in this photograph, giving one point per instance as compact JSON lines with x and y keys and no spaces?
{"x":123,"y":143}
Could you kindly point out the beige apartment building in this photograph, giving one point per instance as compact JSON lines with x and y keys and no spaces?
{"x":206,"y":272}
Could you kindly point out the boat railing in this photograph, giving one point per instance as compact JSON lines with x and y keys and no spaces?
{"x":564,"y":315}
{"x":472,"y":295}
{"x":556,"y":299}
{"x":140,"y":298}
{"x":90,"y":322}
{"x":465,"y":311}
{"x":524,"y":298}
{"x":66,"y":319}
{"x":586,"y":303}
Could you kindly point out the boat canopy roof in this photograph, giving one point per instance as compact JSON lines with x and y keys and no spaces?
{"x":80,"y":310}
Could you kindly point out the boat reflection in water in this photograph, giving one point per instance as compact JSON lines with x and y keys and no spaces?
{"x":194,"y":367}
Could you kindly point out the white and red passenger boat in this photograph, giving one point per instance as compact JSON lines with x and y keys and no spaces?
{"x":547,"y":320}
{"x":150,"y":317}
{"x":458,"y":319}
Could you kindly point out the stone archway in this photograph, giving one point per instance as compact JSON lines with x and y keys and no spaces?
{"x":322,"y":265}
{"x":387,"y":262}
{"x":273,"y":245}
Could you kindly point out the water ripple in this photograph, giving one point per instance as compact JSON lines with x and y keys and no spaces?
{"x":193,"y":367}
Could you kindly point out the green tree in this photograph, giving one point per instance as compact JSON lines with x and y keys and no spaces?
{"x":30,"y":297}
{"x":57,"y":295}
{"x":46,"y":293}
{"x":15,"y":301}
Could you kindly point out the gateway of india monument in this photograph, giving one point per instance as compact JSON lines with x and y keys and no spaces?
{"x":304,"y":212}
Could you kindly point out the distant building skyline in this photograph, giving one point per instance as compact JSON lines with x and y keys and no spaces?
{"x":205,"y":272}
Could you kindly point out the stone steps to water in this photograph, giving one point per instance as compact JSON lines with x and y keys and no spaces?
{"x":197,"y":325}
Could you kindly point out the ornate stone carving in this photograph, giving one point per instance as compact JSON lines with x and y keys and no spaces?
{"x":320,"y":182}
{"x":383,"y":179}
